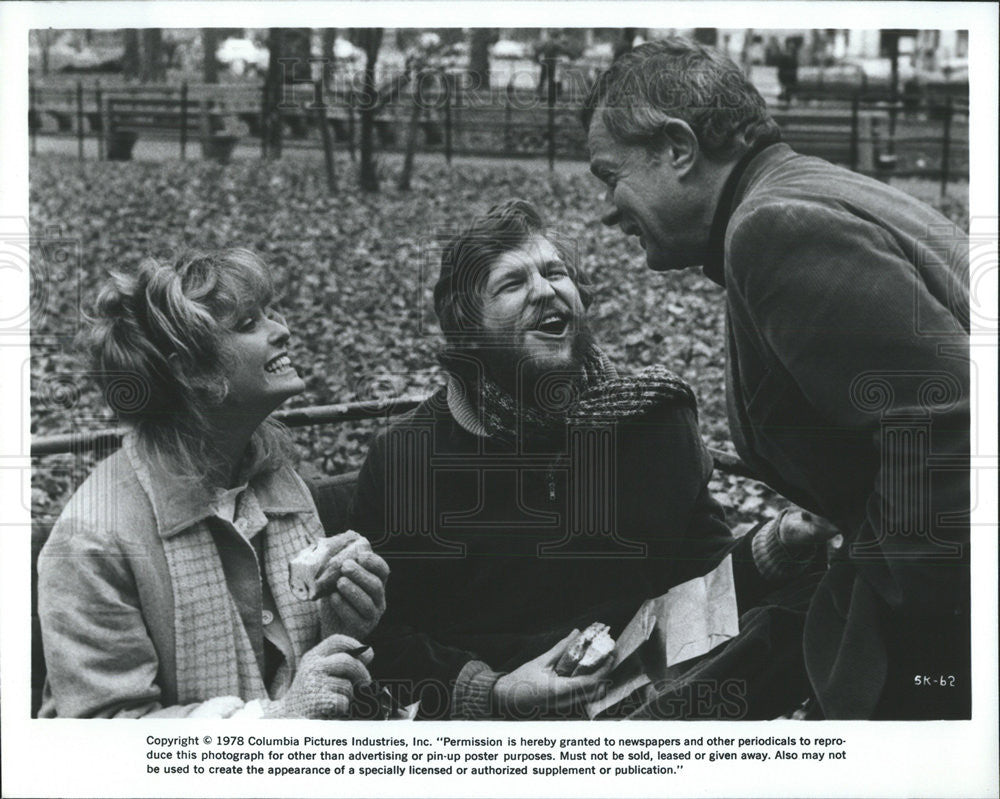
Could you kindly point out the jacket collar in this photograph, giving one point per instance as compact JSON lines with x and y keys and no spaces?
{"x":178,"y":504}
{"x":755,"y":161}
{"x":470,"y":418}
{"x":463,"y":409}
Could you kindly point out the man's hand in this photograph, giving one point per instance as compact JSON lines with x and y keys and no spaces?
{"x":358,"y":601}
{"x":798,"y":530}
{"x":325,"y":680}
{"x":535,"y":689}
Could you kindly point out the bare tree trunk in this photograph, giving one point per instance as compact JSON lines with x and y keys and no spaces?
{"x":371,"y":39}
{"x":44,"y":37}
{"x":273,"y":90}
{"x":319,"y":106}
{"x":152,"y":55}
{"x":297,"y":76}
{"x":411,"y":132}
{"x":479,"y":55}
{"x":624,"y":43}
{"x":130,"y":58}
{"x":329,"y":40}
{"x":209,"y":64}
{"x":298,"y":45}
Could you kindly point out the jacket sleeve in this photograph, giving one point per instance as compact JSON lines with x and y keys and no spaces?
{"x":100,"y":659}
{"x":844,"y":313}
{"x":695,"y":543}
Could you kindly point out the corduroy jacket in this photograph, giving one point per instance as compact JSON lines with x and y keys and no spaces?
{"x":848,"y":392}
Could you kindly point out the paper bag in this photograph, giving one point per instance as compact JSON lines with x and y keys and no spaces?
{"x":688,"y":621}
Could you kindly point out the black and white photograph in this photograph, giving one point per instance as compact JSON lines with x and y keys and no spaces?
{"x":366,"y":382}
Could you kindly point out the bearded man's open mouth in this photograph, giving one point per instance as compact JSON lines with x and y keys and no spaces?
{"x":553,"y":323}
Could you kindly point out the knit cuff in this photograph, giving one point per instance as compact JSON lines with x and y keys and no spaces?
{"x":473,"y":697}
{"x":773,"y":559}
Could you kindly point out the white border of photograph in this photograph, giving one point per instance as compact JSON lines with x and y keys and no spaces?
{"x":108,"y":758}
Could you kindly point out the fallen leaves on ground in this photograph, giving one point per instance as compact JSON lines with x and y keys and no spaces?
{"x":356,"y":273}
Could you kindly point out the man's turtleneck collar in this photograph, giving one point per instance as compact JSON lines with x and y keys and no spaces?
{"x":714,"y":266}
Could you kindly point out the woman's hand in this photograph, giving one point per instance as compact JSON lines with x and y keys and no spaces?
{"x":325,"y":680}
{"x":535,"y":689}
{"x":358,"y":601}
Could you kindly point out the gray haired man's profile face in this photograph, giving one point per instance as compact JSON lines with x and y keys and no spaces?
{"x":648,"y":197}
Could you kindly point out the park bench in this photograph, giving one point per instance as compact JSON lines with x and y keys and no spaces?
{"x":332,"y":494}
{"x":128,"y":117}
{"x":58,"y":105}
{"x":841,"y":135}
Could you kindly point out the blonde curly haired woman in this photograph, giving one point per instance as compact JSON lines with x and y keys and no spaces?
{"x":163,"y":588}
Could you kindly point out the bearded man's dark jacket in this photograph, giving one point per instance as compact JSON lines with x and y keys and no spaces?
{"x":477,"y":531}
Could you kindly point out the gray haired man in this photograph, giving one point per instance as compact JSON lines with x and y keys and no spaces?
{"x":847,"y":368}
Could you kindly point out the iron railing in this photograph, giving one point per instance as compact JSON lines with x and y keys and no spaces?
{"x":110,"y":438}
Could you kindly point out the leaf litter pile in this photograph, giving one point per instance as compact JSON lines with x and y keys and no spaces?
{"x":355,"y":274}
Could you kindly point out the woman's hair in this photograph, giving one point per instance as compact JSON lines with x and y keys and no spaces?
{"x":156,"y":345}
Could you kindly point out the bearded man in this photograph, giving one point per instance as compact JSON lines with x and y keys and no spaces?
{"x":541,"y":491}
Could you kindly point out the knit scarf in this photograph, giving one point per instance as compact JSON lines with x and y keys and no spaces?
{"x":554,"y":396}
{"x":599,"y":396}
{"x":630,"y":396}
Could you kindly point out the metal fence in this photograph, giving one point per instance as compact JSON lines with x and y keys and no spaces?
{"x":925,"y":136}
{"x":105,"y":440}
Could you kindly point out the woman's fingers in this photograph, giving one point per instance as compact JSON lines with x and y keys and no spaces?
{"x":337,"y":550}
{"x":589,"y":686}
{"x":356,"y":599}
{"x":343,"y":687}
{"x":372,"y":562}
{"x":358,"y":583}
{"x":570,"y":692}
{"x":333,"y":644}
{"x":333,"y":704}
{"x":345,"y":667}
{"x":349,"y":618}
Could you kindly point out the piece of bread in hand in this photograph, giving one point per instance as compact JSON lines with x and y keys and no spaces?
{"x":314,"y":571}
{"x":586,"y":652}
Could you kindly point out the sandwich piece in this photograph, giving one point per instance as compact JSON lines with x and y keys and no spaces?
{"x":313,"y":572}
{"x":586,"y":652}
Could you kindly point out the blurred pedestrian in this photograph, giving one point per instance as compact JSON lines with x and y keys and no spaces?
{"x":788,"y":70}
